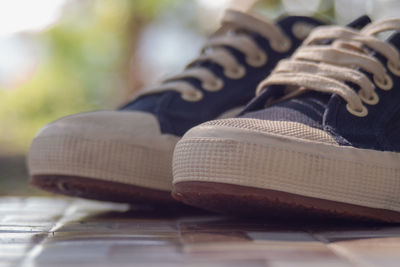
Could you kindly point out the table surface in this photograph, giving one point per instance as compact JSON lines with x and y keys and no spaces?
{"x":38,"y":231}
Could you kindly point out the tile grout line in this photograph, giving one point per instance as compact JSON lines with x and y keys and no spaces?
{"x":28,"y":260}
{"x":343,"y":252}
{"x":346,"y":254}
{"x":1,"y":221}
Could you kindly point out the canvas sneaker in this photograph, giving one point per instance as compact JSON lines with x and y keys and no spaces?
{"x":322,"y":137}
{"x":126,"y":155}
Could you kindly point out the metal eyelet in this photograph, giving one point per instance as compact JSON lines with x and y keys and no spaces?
{"x":213,"y":87}
{"x":359,"y":113}
{"x":369,"y":100}
{"x":257,"y":61}
{"x":394,"y":68}
{"x":282,"y":46}
{"x":235,"y":73}
{"x":385,"y":84}
{"x":192,"y":95}
{"x":302,"y":29}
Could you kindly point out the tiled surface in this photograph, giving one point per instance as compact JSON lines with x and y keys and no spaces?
{"x":71,"y":232}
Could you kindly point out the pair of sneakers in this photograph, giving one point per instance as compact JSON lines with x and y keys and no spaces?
{"x":319,"y":137}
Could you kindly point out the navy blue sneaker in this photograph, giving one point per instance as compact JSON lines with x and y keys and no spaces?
{"x":126,"y":155}
{"x":322,"y":136}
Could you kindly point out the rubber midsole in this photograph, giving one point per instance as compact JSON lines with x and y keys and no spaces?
{"x":355,"y":176}
{"x":104,"y":160}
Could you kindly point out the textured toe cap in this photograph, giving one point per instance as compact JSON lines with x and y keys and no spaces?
{"x":269,"y":127}
{"x":124,"y":147}
{"x":127,"y":127}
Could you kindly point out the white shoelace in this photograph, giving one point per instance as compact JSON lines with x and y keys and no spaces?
{"x":215,"y":51}
{"x":327,"y":68}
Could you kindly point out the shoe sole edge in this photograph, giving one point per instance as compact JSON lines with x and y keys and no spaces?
{"x":88,"y":188}
{"x":289,"y":166}
{"x":103,"y":160}
{"x":264,"y":203}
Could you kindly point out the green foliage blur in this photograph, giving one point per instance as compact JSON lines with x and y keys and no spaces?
{"x":83,"y":63}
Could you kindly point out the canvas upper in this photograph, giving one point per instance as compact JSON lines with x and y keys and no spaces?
{"x":328,"y":111}
{"x":176,"y":115}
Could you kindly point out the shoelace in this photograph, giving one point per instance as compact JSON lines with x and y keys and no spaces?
{"x":215,"y":51}
{"x":327,"y":68}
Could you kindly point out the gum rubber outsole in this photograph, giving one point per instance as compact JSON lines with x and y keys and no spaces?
{"x":263,"y":203}
{"x":96,"y":189}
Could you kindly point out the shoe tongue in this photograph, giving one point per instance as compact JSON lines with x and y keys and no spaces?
{"x":287,"y":22}
{"x":306,"y":108}
{"x":360,"y":22}
{"x":394,"y":39}
{"x":323,"y":98}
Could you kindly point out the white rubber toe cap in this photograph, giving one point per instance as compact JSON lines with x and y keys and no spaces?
{"x":288,"y":157}
{"x":246,"y":129}
{"x":129,"y":127}
{"x":126,"y":147}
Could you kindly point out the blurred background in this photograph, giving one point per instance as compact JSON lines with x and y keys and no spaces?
{"x":59,"y":57}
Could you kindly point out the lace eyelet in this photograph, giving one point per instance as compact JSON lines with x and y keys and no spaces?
{"x":386,"y":84}
{"x":394,"y":67}
{"x":282,"y":46}
{"x":235,"y":73}
{"x":192,"y":96}
{"x":358,"y":113}
{"x":213,"y":87}
{"x":259,"y":60}
{"x":371,"y":100}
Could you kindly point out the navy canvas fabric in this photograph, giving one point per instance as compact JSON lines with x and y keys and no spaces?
{"x":176,"y":115}
{"x":379,"y":130}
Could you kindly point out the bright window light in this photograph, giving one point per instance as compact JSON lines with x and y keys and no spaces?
{"x":28,"y":15}
{"x":214,"y":4}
